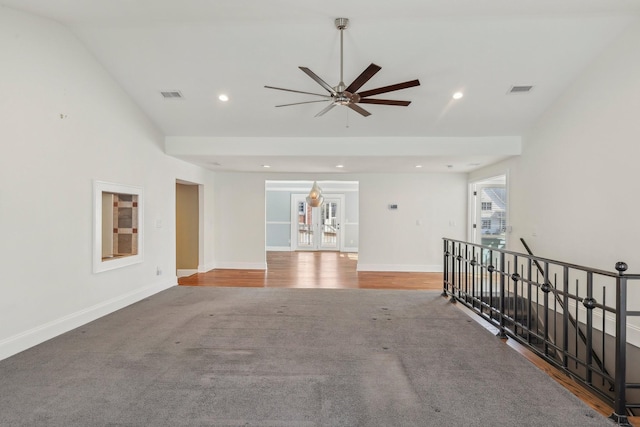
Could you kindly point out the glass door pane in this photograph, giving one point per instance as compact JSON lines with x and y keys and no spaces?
{"x":329,"y":224}
{"x":305,"y":225}
{"x":491,"y":222}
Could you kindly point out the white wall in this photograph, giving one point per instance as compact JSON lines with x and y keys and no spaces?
{"x":240,"y":220}
{"x":430,"y":207}
{"x":576,"y":184}
{"x":388,"y":240}
{"x":47,"y":165}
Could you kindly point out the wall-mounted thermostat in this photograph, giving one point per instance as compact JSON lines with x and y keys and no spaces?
{"x":393,"y":206}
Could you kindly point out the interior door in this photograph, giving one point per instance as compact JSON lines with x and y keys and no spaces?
{"x":490,"y":223}
{"x":316,"y":229}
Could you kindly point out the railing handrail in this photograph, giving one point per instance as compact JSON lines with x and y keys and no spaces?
{"x":552,"y":261}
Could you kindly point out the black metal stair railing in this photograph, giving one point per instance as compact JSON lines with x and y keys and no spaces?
{"x":572,"y":320}
{"x":555,"y":309}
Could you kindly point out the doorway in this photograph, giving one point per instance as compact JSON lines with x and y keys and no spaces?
{"x":489,"y":212}
{"x":317,"y":229}
{"x":188,"y":242}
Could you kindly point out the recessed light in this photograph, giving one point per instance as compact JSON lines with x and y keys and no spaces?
{"x":339,"y":166}
{"x":266,"y":166}
{"x":458,"y":95}
{"x":418,"y":166}
{"x":223,"y":98}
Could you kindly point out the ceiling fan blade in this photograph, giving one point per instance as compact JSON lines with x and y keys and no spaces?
{"x":318,"y":80}
{"x":327,"y":108}
{"x":369,"y":72}
{"x":358,"y":109}
{"x":299,"y":103}
{"x":298,"y":91}
{"x":390,"y":88}
{"x":383,"y":102}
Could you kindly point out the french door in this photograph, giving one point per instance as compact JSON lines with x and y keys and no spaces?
{"x":316,"y":229}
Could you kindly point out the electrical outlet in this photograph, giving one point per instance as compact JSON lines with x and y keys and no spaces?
{"x":158,"y":271}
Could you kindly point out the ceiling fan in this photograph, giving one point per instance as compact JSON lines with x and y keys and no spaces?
{"x":349,"y":95}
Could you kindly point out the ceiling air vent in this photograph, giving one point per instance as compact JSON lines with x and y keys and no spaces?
{"x":171,"y":94}
{"x":520,"y":89}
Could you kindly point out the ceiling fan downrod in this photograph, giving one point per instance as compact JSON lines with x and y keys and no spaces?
{"x":341,"y":24}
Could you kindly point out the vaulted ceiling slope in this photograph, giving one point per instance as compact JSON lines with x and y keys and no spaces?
{"x":203,"y":49}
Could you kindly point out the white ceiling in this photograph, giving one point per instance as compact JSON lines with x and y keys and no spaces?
{"x":203,"y":48}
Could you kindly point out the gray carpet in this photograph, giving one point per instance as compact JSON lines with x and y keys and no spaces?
{"x":283,"y":357}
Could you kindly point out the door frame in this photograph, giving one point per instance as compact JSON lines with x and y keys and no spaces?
{"x":201,"y":260}
{"x":295,"y":197}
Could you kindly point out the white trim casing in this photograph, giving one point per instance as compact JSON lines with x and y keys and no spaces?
{"x":401,"y":268}
{"x":242,"y":265}
{"x":206,"y":267}
{"x":279,"y":249}
{"x":186,"y":272}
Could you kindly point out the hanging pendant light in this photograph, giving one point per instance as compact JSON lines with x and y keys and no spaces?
{"x":315,"y":198}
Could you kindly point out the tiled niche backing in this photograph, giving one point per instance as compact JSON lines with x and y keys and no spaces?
{"x":125,"y":224}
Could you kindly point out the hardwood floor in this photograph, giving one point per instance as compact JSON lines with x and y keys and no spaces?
{"x":334,"y":270}
{"x":329,"y":270}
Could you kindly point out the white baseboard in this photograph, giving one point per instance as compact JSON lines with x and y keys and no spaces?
{"x":242,"y":265}
{"x":409,"y":268}
{"x":350,"y":249}
{"x":34,"y":336}
{"x":278,"y":249}
{"x":186,"y":272}
{"x":206,"y":267}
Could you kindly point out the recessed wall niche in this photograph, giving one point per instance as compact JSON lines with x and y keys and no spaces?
{"x":117,"y":226}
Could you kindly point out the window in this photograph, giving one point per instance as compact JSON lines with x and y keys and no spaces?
{"x":486,"y":224}
{"x":486,"y":206}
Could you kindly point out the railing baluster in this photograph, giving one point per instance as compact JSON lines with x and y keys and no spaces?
{"x":604,"y":328}
{"x":491,"y":269}
{"x":565,"y":317}
{"x":529,"y":301}
{"x":501,"y":332}
{"x":546,"y":288}
{"x":620,"y":401}
{"x":473,"y":277}
{"x":445,"y":267}
{"x":589,"y":303}
{"x":577,"y":326}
